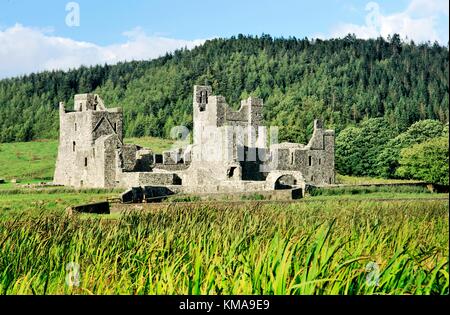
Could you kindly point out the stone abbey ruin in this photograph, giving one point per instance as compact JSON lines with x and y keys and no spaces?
{"x":230,"y":151}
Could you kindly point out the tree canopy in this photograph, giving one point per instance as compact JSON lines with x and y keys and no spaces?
{"x":427,"y":161}
{"x":388,"y":159}
{"x":343,"y":81}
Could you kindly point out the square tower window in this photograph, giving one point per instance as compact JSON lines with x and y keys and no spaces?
{"x":75,"y":126}
{"x":74,"y":145}
{"x":310,"y":160}
{"x":85,"y":162}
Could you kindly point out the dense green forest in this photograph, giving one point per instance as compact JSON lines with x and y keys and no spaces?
{"x":350,"y":83}
{"x":373,"y":149}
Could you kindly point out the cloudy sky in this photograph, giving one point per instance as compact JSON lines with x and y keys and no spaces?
{"x":56,"y":34}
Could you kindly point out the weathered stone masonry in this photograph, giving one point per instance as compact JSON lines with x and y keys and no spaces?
{"x":229,"y":153}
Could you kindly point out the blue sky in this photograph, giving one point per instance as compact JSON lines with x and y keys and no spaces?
{"x":34,"y":35}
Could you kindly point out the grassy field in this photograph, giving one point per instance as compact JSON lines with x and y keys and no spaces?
{"x":28,"y":160}
{"x":303,"y":248}
{"x":353,"y":180}
{"x":35,"y":203}
{"x":158,"y":145}
{"x":348,"y":240}
{"x":36,"y":160}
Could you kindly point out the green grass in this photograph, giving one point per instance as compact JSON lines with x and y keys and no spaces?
{"x":15,"y":199}
{"x":182,"y":198}
{"x":158,"y":145}
{"x":254,"y":196}
{"x":355,"y":190}
{"x":358,"y":180}
{"x":303,"y":248}
{"x":376,"y":196}
{"x":28,"y":161}
{"x":34,"y":203}
{"x":320,"y":247}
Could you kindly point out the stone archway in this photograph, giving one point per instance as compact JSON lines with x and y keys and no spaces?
{"x":286,"y":181}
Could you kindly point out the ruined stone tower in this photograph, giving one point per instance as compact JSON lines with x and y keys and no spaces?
{"x":85,"y":134}
{"x":229,"y":153}
{"x":222,"y":139}
{"x":230,"y":147}
{"x":91,"y":151}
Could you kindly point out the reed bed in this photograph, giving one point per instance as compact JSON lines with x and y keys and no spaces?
{"x":319,"y":248}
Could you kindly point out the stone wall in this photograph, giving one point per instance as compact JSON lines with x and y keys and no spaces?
{"x":315,"y":160}
{"x":228,"y":153}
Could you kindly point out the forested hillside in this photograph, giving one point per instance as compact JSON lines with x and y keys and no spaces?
{"x":342,"y":81}
{"x":373,"y":89}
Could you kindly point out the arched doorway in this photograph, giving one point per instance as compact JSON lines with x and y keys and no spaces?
{"x":285,"y":182}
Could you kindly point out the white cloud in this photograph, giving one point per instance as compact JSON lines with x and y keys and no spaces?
{"x":24,"y":50}
{"x":420,"y":22}
{"x":428,"y":7}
